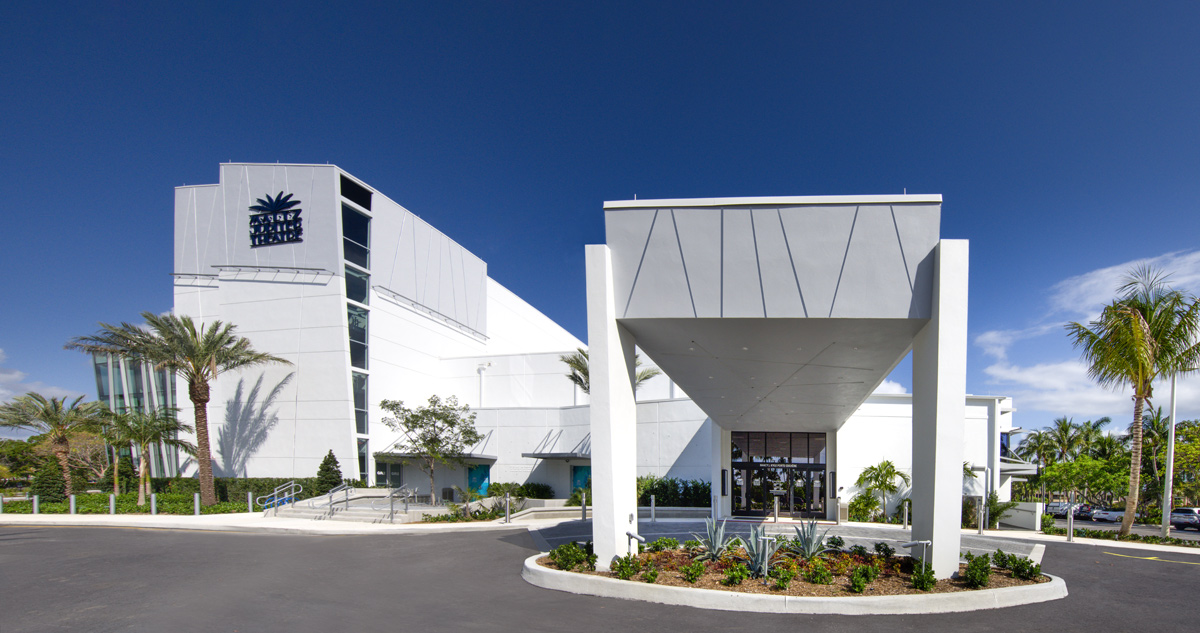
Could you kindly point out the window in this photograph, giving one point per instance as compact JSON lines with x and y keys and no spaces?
{"x":356,"y":237}
{"x":356,"y":285}
{"x":360,"y":401}
{"x":357,"y":318}
{"x":356,"y":193}
{"x":362,"y":459}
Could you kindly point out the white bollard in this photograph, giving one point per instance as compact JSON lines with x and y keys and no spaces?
{"x":72,"y":504}
{"x":653,"y":518}
{"x":196,"y":503}
{"x":1,"y":504}
{"x":1071,"y":519}
{"x":249,"y":501}
{"x":507,"y":509}
{"x":112,"y":503}
{"x":153,"y":503}
{"x":36,"y":505}
{"x":583,"y":496}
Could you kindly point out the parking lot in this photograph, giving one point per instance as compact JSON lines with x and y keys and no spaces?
{"x":111,"y":579}
{"x":1138,"y":528}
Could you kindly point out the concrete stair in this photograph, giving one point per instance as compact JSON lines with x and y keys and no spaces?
{"x":360,"y":513}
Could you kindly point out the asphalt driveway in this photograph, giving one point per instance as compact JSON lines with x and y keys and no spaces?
{"x":105,"y":579}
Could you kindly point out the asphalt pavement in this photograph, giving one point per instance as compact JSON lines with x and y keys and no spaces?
{"x":125,"y":579}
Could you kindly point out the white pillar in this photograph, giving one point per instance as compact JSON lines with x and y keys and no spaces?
{"x":832,"y":480}
{"x":993,"y":459}
{"x":613,"y":413}
{"x":721,"y":467}
{"x":939,"y":403}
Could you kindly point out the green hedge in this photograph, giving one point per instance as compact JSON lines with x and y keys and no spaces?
{"x":234,"y":489}
{"x":674,"y":493}
{"x":168,"y":503}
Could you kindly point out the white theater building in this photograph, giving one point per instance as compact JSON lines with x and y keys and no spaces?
{"x":774,"y":321}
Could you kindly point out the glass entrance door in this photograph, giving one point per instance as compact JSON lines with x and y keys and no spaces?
{"x":800,"y":490}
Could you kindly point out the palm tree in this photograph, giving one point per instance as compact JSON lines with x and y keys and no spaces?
{"x":198,"y":356}
{"x":53,"y":419}
{"x":1154,"y":443}
{"x":146,"y":429}
{"x":881,"y":478}
{"x":1065,"y":437}
{"x":577,"y":362}
{"x":1090,"y":433}
{"x":1148,"y":332}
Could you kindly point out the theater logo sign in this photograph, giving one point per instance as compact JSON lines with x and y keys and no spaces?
{"x":275,"y":221}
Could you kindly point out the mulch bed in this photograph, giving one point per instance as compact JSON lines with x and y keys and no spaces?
{"x":894,"y":580}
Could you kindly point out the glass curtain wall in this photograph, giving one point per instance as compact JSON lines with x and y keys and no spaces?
{"x":356,"y":253}
{"x":789,"y":467}
{"x":122,"y":384}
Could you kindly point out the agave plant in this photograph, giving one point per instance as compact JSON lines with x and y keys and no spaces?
{"x":807,"y":544}
{"x":759,"y":550}
{"x":713,"y":542}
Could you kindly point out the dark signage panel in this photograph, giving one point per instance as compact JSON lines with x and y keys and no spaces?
{"x":275,"y":221}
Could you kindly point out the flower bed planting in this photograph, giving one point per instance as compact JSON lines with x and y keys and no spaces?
{"x":800,"y":566}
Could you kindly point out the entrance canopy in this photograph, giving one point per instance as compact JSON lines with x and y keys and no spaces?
{"x":775,"y":313}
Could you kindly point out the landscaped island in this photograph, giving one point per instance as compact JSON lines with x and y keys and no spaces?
{"x":803,"y":565}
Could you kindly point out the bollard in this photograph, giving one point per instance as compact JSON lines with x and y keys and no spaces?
{"x":1071,"y":519}
{"x":653,"y":518}
{"x":249,"y":501}
{"x":196,"y":503}
{"x":72,"y":504}
{"x":1,"y":504}
{"x":905,"y":514}
{"x":981,"y":515}
{"x":391,"y":508}
{"x":153,"y":503}
{"x":777,"y":508}
{"x":112,"y":503}
{"x":583,"y":505}
{"x":507,"y":508}
{"x":36,"y":505}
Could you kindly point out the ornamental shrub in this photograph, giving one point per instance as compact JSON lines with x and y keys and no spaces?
{"x":835,"y":542}
{"x":663,"y":544}
{"x":979,"y":571}
{"x":626,"y":567}
{"x":1023,"y":568}
{"x":567,"y":556}
{"x":329,"y":475}
{"x":923,"y":578}
{"x":863,"y":507}
{"x":1002,"y":560}
{"x":650,"y":575}
{"x":534,"y":490}
{"x":862,"y":576}
{"x":693,"y":572}
{"x":735,"y":575}
{"x":884,"y":550}
{"x":783,"y":576}
{"x":817,"y":573}
{"x":48,"y":483}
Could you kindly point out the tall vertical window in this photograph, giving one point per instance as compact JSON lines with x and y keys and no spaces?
{"x":357,"y":283}
{"x":357,"y":318}
{"x":356,"y":237}
{"x":360,"y":401}
{"x":363,"y":451}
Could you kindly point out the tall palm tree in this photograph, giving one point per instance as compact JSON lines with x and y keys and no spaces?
{"x":1154,"y":444}
{"x":881,"y":478}
{"x":577,"y":362}
{"x":1090,"y":432}
{"x":197,"y":355}
{"x":1148,"y":332}
{"x":146,"y":429}
{"x":1065,"y":437}
{"x":55,"y":420}
{"x":1037,"y":447}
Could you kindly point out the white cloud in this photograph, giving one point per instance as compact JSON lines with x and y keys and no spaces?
{"x":890,"y":386}
{"x":1063,"y":387}
{"x":1081,"y":297}
{"x":13,"y":383}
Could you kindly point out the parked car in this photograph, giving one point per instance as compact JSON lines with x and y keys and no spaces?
{"x":1057,"y":508}
{"x":1111,"y":514}
{"x":1184,"y":518}
{"x":1084,"y":512}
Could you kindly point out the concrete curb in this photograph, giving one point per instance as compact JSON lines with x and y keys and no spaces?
{"x":571,"y":582}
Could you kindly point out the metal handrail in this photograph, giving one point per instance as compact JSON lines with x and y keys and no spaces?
{"x":346,"y":489}
{"x":281,"y":496}
{"x":402,"y":491}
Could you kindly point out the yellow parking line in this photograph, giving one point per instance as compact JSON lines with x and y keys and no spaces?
{"x":1154,"y":558}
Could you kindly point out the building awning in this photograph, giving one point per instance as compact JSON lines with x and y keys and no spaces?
{"x":470,"y":458}
{"x":563,"y":456}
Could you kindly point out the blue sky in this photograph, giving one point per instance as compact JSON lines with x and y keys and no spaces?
{"x":1062,"y":136}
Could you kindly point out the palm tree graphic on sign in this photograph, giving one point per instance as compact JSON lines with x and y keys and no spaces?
{"x":278,"y":204}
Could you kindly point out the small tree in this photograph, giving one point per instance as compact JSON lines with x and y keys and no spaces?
{"x":438,"y":433}
{"x":49,"y":484}
{"x":577,"y":362}
{"x":881,"y":479}
{"x":329,"y":474}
